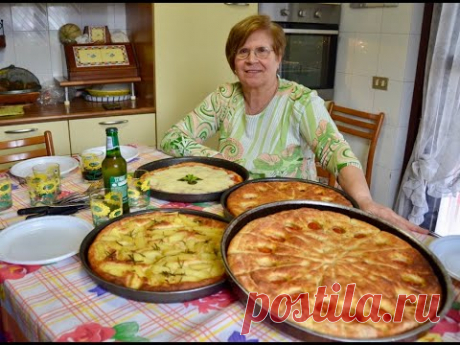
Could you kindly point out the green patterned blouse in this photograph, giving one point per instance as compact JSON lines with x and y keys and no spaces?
{"x":282,"y":140}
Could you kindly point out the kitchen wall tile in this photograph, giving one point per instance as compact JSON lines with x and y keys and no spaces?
{"x":29,"y":17}
{"x":385,"y":145}
{"x":34,"y":27}
{"x":98,"y":15}
{"x":38,"y":43}
{"x":407,"y":94}
{"x":400,"y":148}
{"x":342,"y":89}
{"x":345,"y":52}
{"x":367,"y":20}
{"x":60,"y":14}
{"x":389,"y":102}
{"x":395,"y":179}
{"x":7,"y":54}
{"x":362,"y":95}
{"x":366,"y":54}
{"x":120,"y":17}
{"x":397,"y":20}
{"x":385,"y":185}
{"x":45,"y":79}
{"x":417,"y":18}
{"x":412,"y":57}
{"x":392,"y":56}
{"x":396,"y":103}
{"x":381,"y":177}
{"x":58,"y":63}
{"x":391,"y":146}
{"x":5,"y":14}
{"x":394,"y":61}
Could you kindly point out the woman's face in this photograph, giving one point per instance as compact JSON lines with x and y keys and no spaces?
{"x":254,"y":72}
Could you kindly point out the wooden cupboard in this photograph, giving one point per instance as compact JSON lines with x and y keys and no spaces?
{"x":59,"y":130}
{"x":87,"y":133}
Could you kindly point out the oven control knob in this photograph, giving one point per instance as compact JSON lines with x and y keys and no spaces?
{"x":302,"y":13}
{"x":284,"y":12}
{"x":317,"y":14}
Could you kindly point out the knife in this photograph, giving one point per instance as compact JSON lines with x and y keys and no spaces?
{"x":50,"y":209}
{"x":61,"y":213}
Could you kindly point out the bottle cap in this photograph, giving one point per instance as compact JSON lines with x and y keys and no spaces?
{"x":111,"y":130}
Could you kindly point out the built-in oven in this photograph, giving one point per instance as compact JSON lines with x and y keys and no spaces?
{"x":312,"y":37}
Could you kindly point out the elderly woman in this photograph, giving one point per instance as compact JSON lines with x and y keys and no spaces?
{"x":271,"y":126}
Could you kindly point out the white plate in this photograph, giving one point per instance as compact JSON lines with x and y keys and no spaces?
{"x":447,"y":249}
{"x":24,"y":168}
{"x":43,"y":240}
{"x":128,"y":152}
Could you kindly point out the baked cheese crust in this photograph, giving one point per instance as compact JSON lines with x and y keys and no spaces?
{"x":192,"y":178}
{"x":159,"y":251}
{"x":296,"y":251}
{"x":254,"y":194}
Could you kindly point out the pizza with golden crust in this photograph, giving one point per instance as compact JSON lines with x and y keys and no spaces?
{"x":253,"y":194}
{"x":159,"y":251}
{"x":296,"y":251}
{"x":192,"y":178}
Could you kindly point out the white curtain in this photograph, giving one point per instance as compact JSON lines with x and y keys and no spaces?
{"x":434,"y":166}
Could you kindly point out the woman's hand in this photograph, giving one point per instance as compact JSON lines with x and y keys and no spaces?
{"x":390,"y":216}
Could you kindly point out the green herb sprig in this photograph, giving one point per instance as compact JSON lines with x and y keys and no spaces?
{"x":190,"y":179}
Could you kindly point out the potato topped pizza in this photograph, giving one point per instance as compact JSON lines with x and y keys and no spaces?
{"x":159,"y":251}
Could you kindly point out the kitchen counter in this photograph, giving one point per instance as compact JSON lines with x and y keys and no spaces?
{"x":78,"y":109}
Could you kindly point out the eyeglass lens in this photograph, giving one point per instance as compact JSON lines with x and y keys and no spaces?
{"x":259,"y":52}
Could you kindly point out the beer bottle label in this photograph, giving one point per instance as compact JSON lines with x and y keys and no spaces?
{"x":110,"y":143}
{"x":120,"y":183}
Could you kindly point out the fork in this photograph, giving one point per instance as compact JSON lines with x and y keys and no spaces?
{"x":21,"y":180}
{"x":79,"y":197}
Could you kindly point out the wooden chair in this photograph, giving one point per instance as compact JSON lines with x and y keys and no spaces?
{"x":47,"y":150}
{"x":360,"y":124}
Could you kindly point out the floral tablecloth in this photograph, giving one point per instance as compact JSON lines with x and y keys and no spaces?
{"x":60,"y":302}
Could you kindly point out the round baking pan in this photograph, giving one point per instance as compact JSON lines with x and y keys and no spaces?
{"x":305,"y":334}
{"x":179,"y":197}
{"x":226,"y":194}
{"x":148,"y":296}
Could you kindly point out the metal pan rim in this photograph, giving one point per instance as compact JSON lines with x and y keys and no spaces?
{"x":179,"y":197}
{"x":226,"y":194}
{"x":236,"y":224}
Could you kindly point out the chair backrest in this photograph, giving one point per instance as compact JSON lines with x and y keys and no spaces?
{"x":47,"y":150}
{"x":360,"y":124}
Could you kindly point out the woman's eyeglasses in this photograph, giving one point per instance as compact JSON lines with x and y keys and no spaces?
{"x":259,"y":52}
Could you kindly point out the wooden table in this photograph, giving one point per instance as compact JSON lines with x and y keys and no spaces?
{"x":61,"y":302}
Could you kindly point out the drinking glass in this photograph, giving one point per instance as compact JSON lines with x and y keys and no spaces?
{"x":105,"y":204}
{"x":91,"y":164}
{"x":6,"y":200}
{"x":44,"y":184}
{"x":138,"y":190}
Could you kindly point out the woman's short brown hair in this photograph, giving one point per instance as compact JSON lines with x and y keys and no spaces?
{"x":243,"y":29}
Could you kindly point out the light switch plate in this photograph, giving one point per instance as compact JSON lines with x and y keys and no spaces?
{"x":380,"y":83}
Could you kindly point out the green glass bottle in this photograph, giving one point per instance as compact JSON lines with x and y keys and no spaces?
{"x":114,"y":167}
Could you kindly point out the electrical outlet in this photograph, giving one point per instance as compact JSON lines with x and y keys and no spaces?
{"x":380,"y":83}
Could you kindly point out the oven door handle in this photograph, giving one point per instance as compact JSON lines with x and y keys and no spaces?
{"x":311,"y":31}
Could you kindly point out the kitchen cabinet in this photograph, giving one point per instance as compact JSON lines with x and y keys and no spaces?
{"x":190,"y":57}
{"x":59,"y":130}
{"x":86,"y":133}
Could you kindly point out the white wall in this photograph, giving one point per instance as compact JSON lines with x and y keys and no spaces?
{"x":380,"y":42}
{"x":31,"y":31}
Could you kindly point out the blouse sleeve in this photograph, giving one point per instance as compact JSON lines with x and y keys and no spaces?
{"x":317,"y":127}
{"x":185,"y":138}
